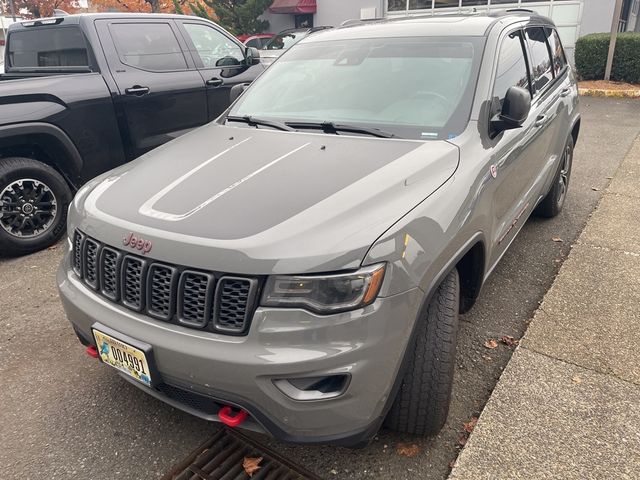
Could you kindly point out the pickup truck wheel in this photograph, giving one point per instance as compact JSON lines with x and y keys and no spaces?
{"x":552,"y":204}
{"x":33,"y":205}
{"x":422,"y":403}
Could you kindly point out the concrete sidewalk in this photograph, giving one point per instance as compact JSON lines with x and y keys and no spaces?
{"x":568,"y":404}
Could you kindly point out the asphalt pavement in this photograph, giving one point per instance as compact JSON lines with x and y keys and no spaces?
{"x":63,"y":415}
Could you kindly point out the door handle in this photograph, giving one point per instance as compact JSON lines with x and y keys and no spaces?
{"x":214,"y":82}
{"x":137,"y":90}
{"x":541,"y":120}
{"x":565,"y":91}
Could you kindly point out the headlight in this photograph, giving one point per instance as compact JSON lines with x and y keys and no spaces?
{"x":325,"y":294}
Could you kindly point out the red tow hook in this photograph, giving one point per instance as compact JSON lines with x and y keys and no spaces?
{"x":226,"y":417}
{"x":92,"y":351}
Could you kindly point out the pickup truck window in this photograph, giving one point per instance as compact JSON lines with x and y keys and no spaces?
{"x":213,"y":48}
{"x":48,"y":47}
{"x":148,"y":46}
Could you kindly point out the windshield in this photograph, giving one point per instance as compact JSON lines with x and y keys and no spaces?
{"x":282,"y":41}
{"x":419,"y":88}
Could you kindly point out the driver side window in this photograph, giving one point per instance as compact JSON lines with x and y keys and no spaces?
{"x":512,"y":67}
{"x":213,"y":48}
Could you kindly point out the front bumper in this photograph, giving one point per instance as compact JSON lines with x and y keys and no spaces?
{"x":367,"y":344}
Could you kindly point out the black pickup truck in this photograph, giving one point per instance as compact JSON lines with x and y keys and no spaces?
{"x":82,"y":94}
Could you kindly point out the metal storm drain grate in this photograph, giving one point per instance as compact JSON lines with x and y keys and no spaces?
{"x":229,"y":455}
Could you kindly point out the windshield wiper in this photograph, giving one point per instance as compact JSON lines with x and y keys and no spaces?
{"x":330,"y":127}
{"x":254,"y":122}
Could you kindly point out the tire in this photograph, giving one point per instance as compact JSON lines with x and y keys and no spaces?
{"x":34,"y":199}
{"x":552,"y":204}
{"x":422,"y":403}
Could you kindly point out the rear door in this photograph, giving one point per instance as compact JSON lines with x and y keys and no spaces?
{"x":220,"y":60}
{"x":161,"y":95}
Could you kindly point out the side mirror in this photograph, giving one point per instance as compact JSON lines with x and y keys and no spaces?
{"x":515,"y":110}
{"x":252,"y":56}
{"x":236,"y":91}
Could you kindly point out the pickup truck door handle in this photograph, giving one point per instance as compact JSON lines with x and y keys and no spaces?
{"x":541,"y":120}
{"x":214,"y":82}
{"x":137,"y":90}
{"x":565,"y":91}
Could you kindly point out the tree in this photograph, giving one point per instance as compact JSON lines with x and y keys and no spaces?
{"x":144,"y":6}
{"x":44,"y":8}
{"x":237,"y":16}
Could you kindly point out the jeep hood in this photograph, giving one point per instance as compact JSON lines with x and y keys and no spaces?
{"x":258,"y":201}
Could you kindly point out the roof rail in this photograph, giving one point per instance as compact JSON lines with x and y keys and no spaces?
{"x":524,"y":10}
{"x":358,"y":21}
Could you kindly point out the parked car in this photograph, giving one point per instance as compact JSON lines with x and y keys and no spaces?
{"x":301,"y":271}
{"x":85,"y":93}
{"x":283,"y":41}
{"x":256,"y":41}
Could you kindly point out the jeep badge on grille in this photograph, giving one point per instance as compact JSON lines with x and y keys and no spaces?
{"x":138,"y":243}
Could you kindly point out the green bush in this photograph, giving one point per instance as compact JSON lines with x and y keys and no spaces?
{"x":591,"y":57}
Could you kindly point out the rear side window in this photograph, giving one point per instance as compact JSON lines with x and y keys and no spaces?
{"x":557,"y":52}
{"x":48,"y":47}
{"x":512,"y":66}
{"x":541,"y":67}
{"x":148,"y":46}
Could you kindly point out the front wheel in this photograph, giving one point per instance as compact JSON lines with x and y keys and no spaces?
{"x":422,"y":404}
{"x":33,"y":205}
{"x":552,"y":204}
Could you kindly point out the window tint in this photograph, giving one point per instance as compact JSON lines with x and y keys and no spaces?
{"x":541,"y":69}
{"x":254,"y":42}
{"x":512,"y":67}
{"x":213,"y":48}
{"x":148,"y":46}
{"x":48,"y":47}
{"x":557,"y":52}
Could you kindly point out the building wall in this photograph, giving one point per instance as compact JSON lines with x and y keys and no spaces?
{"x":334,"y":12}
{"x":597,"y":16}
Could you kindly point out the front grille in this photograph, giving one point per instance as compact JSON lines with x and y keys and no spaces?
{"x":204,"y":300}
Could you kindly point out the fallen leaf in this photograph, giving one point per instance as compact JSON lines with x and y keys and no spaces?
{"x":251,"y":465}
{"x":452,"y":463}
{"x":407,"y":449}
{"x":491,"y":343}
{"x":509,"y":341}
{"x":462,"y":440}
{"x":557,"y":239}
{"x":576,"y":379}
{"x":470,"y":425}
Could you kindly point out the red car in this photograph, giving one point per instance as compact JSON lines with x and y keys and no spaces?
{"x":258,"y":40}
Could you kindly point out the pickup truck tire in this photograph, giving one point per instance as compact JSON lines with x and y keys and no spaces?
{"x":34,"y":199}
{"x":552,"y":204}
{"x":422,"y":403}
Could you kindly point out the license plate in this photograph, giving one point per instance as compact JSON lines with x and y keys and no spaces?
{"x":122,"y":356}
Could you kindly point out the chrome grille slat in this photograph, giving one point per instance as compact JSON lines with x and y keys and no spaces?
{"x":166,"y":292}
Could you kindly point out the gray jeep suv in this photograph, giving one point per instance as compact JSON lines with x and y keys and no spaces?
{"x":298,"y":266}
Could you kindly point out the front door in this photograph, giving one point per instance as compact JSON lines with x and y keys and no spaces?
{"x":161,"y":93}
{"x":220,"y":60}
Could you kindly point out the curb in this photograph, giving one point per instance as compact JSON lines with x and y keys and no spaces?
{"x":601,"y":92}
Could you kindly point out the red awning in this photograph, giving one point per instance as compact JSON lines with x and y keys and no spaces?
{"x":293,"y":6}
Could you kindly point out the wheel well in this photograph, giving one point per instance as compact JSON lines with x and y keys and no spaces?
{"x":471,"y":272}
{"x":42,"y":147}
{"x":576,"y":132}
